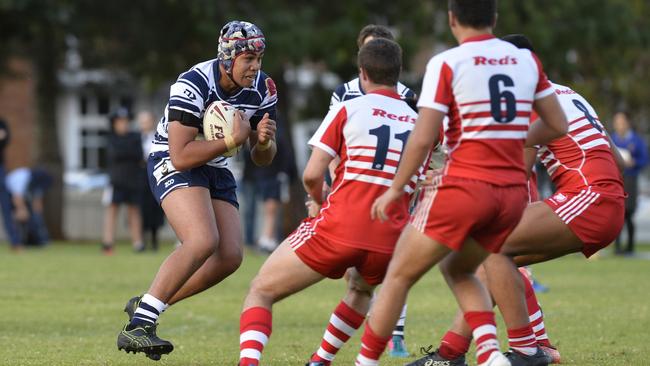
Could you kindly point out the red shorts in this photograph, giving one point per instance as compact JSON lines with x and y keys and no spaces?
{"x":331,"y":258}
{"x":596,"y":219}
{"x":459,"y":208}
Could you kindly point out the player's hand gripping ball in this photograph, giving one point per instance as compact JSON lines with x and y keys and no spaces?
{"x":218,"y":123}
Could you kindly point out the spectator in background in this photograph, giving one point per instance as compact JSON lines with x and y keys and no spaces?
{"x":27,"y":187}
{"x":268,"y":184}
{"x":635,"y":154}
{"x":124,"y":155}
{"x":5,"y":199}
{"x":152,"y":214}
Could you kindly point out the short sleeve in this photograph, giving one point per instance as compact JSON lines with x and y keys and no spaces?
{"x":187,"y":98}
{"x":544,"y":87}
{"x":329,"y":135}
{"x":437,"y":91}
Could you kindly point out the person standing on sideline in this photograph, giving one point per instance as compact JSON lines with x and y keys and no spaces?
{"x":153,"y":216}
{"x":192,"y":181}
{"x":124,"y":155}
{"x":5,"y":199}
{"x":635,"y":155}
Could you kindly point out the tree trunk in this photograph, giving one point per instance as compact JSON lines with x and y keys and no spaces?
{"x":47,"y":56}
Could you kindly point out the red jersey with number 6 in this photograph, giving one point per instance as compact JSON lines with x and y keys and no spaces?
{"x":487,"y":87}
{"x":581,"y":158}
{"x":368,"y":133}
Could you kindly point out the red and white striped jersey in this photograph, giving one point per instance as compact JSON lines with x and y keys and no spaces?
{"x":487,"y":87}
{"x":582,"y":157}
{"x":368,"y":133}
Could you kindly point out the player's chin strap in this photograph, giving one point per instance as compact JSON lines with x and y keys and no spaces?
{"x":229,"y":75}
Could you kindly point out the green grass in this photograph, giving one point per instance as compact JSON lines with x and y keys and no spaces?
{"x":63,"y":306}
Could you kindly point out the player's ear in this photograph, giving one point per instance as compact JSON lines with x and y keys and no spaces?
{"x":362,"y":74}
{"x":452,"y":19}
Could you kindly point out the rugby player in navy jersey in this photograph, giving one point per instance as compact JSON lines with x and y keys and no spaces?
{"x":192,"y":182}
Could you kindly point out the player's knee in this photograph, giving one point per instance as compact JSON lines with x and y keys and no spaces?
{"x":231,"y":261}
{"x":202,"y":247}
{"x":262,"y":288}
{"x":359,"y":289}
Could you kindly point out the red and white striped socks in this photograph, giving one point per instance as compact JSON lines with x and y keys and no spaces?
{"x":535,"y":315}
{"x":484,"y":331}
{"x":522,"y":340}
{"x":372,"y":346}
{"x":342,"y":325}
{"x":255,"y":326}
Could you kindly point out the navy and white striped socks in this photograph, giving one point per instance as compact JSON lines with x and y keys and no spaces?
{"x":148,"y":311}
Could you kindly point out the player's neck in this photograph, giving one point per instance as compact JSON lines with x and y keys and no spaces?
{"x":463,"y":33}
{"x":371,"y":87}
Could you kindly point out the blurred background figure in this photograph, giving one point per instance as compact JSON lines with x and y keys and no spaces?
{"x":124,"y":158}
{"x":269,"y":186}
{"x":27,"y":187}
{"x":635,"y":154}
{"x":5,"y":198}
{"x":152,"y":214}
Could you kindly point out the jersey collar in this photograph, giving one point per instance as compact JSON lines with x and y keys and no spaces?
{"x":386,"y":93}
{"x":482,"y":37}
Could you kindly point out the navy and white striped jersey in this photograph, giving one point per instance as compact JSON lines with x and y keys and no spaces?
{"x":197,"y":88}
{"x":352,"y":89}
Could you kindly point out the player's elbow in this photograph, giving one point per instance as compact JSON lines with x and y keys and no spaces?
{"x":179,"y":162}
{"x":311,"y":178}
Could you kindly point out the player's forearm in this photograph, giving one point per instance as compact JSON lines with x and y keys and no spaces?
{"x":412,"y":159}
{"x":530,"y":156}
{"x":263,"y":155}
{"x":552,"y":123}
{"x":314,"y":187}
{"x":196,"y":153}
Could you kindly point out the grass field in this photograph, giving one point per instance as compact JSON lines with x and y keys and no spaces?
{"x":63,"y":306}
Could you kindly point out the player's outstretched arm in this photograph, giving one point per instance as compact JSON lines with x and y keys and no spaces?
{"x":263,"y":141}
{"x":314,"y":174}
{"x":553,"y":122}
{"x":425,"y":132}
{"x":187,"y":153}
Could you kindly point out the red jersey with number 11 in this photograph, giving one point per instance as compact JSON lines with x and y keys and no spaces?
{"x":487,"y":87}
{"x":368,"y":133}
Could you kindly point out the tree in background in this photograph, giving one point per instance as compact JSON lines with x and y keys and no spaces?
{"x":600,"y":47}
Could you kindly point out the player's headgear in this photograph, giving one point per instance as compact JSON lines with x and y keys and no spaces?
{"x":237,"y":37}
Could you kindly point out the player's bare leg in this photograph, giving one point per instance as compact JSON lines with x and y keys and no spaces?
{"x":415,"y":254}
{"x":282,"y":274}
{"x":224,"y":261}
{"x":191,"y":214}
{"x":540,"y":235}
{"x":347,"y":317}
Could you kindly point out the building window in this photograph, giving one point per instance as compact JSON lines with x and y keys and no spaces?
{"x":93,"y":149}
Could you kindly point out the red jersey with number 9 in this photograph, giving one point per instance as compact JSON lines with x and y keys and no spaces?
{"x":368,"y":133}
{"x":487,"y":88}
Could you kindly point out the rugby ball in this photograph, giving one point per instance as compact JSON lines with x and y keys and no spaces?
{"x":218,"y":122}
